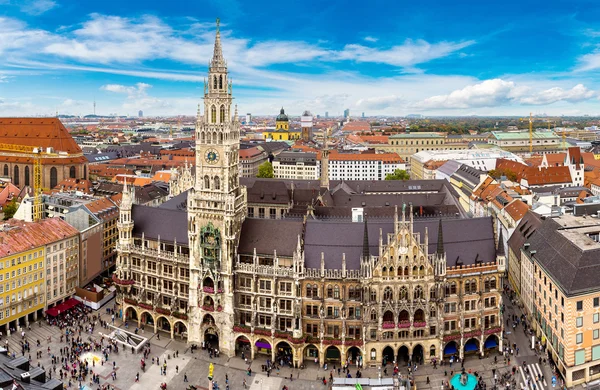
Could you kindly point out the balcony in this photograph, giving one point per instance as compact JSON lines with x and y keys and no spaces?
{"x":122,"y":282}
{"x":388,"y":325}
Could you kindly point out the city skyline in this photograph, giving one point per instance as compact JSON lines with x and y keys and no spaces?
{"x":434,"y":59}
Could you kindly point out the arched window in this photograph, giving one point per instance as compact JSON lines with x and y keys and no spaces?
{"x":403,"y":293}
{"x":418,"y":293}
{"x":220,"y":82}
{"x":451,"y":289}
{"x":222,"y":114}
{"x":467,"y":287}
{"x":72,"y":172}
{"x":220,"y":137}
{"x":15,"y":178}
{"x":215,"y":82}
{"x":6,"y":170}
{"x":217,"y":183}
{"x":432,"y":350}
{"x":388,"y":294}
{"x":336,"y":292}
{"x":202,"y":137}
{"x":213,"y":114}
{"x":85,"y":171}
{"x":309,"y":290}
{"x":206,"y":183}
{"x":391,"y":271}
{"x":399,"y":271}
{"x":329,"y":291}
{"x":406,"y":271}
{"x":214,"y":137}
{"x":373,"y":296}
{"x":473,"y":286}
{"x":374,"y":315}
{"x":493,"y":283}
{"x":432,"y":312}
{"x":53,"y":177}
{"x":27,"y":175}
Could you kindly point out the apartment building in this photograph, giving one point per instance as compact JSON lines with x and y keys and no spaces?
{"x":559,"y":283}
{"x":363,"y":166}
{"x":543,"y":142}
{"x":296,"y":165}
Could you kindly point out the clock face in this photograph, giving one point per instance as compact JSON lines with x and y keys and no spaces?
{"x":211,"y":156}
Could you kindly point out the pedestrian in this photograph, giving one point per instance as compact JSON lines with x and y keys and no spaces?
{"x":176,"y":369}
{"x":137,"y":377}
{"x":291,"y":377}
{"x":427,"y":380}
{"x":185,"y":378}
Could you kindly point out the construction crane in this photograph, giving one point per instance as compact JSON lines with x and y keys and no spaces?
{"x":36,"y":154}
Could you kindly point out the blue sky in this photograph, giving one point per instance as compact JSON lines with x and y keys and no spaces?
{"x":378,"y":57}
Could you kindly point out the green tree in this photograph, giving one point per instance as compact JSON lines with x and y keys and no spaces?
{"x":10,"y":209}
{"x":399,"y":174}
{"x":265,"y":170}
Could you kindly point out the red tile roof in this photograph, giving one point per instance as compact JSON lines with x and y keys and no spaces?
{"x":84,"y":186}
{"x":38,"y":132}
{"x":18,"y":236}
{"x":517,"y":209}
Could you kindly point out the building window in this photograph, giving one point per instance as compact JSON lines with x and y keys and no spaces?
{"x":15,"y":178}
{"x":53,"y":177}
{"x":72,"y":172}
{"x":596,"y":318}
{"x":579,"y":338}
{"x":579,"y":305}
{"x":579,"y":322}
{"x":27,"y":176}
{"x":596,"y":334}
{"x":596,"y":302}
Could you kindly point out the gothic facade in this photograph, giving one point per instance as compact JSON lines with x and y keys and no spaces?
{"x":386,"y":289}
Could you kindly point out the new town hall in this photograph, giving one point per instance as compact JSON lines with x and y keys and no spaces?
{"x":355,"y":271}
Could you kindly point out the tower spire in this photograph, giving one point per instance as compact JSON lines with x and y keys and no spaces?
{"x":440,"y":241}
{"x":366,"y":240}
{"x":500,"y":250}
{"x":217,"y":60}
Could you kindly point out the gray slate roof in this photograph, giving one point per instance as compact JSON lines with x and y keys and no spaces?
{"x":268,"y":235}
{"x":464,"y":240}
{"x":576,"y":271}
{"x":154,"y":222}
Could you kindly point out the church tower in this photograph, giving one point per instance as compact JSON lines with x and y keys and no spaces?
{"x":216,"y":210}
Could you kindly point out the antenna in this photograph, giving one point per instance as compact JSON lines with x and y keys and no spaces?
{"x":94,"y":107}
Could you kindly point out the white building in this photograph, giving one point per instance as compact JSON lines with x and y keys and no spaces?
{"x":364,"y":166}
{"x":296,"y":165}
{"x":484,"y":160}
{"x":62,"y":269}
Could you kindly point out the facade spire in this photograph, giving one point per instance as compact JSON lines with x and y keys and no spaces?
{"x":217,"y":60}
{"x":366,"y":240}
{"x":440,"y":241}
{"x":500,"y":250}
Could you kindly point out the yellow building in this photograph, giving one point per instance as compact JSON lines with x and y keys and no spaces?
{"x":22,"y":258}
{"x":282,"y":130}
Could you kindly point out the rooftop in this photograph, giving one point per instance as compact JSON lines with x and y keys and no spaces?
{"x":38,"y":132}
{"x":17,"y":236}
{"x":518,"y":135}
{"x":416,"y":135}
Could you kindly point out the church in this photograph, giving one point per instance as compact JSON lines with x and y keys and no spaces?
{"x":307,"y":271}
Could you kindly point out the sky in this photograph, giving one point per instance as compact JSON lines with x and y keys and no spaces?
{"x":378,"y":57}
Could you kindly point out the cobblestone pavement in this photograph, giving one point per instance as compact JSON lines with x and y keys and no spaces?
{"x":195,"y":365}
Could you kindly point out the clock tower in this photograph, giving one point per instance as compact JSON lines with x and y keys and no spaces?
{"x":216,"y":210}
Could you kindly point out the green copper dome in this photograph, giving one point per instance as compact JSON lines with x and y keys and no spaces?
{"x":282,"y":117}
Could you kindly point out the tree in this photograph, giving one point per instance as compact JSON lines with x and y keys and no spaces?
{"x":399,"y":174}
{"x":10,"y":209}
{"x":265,"y":170}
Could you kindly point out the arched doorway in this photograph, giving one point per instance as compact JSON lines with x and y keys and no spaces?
{"x":333,"y":355}
{"x":131,"y":314}
{"x":180,"y":329}
{"x":491,"y":342}
{"x":284,"y":354}
{"x":451,"y":348}
{"x":403,"y":355}
{"x":263,"y":347}
{"x":311,"y":354}
{"x":471,"y":346}
{"x":242,"y":347}
{"x":163,"y":324}
{"x":147,"y":318}
{"x":211,"y":338}
{"x":388,"y":355}
{"x":354,"y":356}
{"x":419,"y":316}
{"x":417,"y":354}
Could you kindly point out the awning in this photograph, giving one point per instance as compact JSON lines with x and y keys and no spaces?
{"x":63,"y":307}
{"x":490,"y":343}
{"x":470,"y":347}
{"x":262,"y":344}
{"x":450,"y":349}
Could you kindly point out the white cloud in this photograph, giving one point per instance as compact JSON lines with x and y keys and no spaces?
{"x":412,"y":52}
{"x":37,"y":7}
{"x":370,"y":39}
{"x":137,"y":90}
{"x":15,"y":35}
{"x":589,"y":61}
{"x":498,"y":92}
{"x":378,"y":102}
{"x":576,"y":94}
